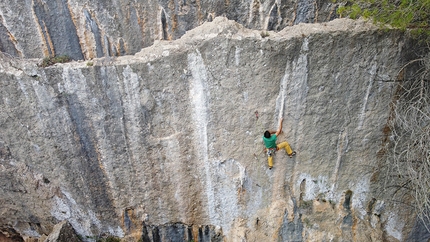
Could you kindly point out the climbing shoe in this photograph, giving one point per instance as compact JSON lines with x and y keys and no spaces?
{"x":292,"y":154}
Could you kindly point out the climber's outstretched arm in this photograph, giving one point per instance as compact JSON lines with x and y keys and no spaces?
{"x":279,"y":127}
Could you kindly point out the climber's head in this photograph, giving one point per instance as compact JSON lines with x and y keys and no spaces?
{"x":267,"y":134}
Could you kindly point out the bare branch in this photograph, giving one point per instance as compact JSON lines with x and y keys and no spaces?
{"x":409,"y":147}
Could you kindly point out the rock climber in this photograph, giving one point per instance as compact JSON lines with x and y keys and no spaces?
{"x":269,"y":140}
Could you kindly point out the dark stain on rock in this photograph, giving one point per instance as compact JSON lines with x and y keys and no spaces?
{"x":273,"y":18}
{"x":90,"y":167}
{"x":107,"y":46}
{"x":291,"y":230}
{"x":179,"y":232}
{"x":189,"y":232}
{"x":121,"y":47}
{"x":4,"y":151}
{"x":94,"y":28}
{"x":135,"y":41}
{"x":127,"y":221}
{"x":305,"y":12}
{"x":155,"y":234}
{"x":164,"y":26}
{"x":348,"y":220}
{"x":347,"y":201}
{"x":145,"y":236}
{"x":176,"y":231}
{"x":6,"y":42}
{"x":58,"y":29}
{"x":420,"y":232}
{"x":204,"y":233}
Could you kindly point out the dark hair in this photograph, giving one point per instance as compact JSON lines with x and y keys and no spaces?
{"x":267,"y":134}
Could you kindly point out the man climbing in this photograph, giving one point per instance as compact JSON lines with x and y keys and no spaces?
{"x":269,"y":140}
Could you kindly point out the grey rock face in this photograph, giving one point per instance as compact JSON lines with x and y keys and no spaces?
{"x":57,"y":27}
{"x":90,"y":29}
{"x":172,"y":135}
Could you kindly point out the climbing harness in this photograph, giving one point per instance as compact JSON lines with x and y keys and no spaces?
{"x":270,"y":151}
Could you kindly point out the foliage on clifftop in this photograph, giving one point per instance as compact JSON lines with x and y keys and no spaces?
{"x":403,"y":14}
{"x":49,"y":61}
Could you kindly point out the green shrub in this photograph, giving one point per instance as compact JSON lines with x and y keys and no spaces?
{"x":306,"y":204}
{"x":307,"y":222}
{"x":109,"y":239}
{"x":264,"y":34}
{"x":403,"y":14}
{"x":49,"y":61}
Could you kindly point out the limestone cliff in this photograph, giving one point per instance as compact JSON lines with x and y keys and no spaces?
{"x":167,"y":142}
{"x":88,"y":29}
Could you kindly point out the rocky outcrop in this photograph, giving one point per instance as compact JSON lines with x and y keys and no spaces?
{"x":90,"y":29}
{"x":63,"y":232}
{"x":172,"y":135}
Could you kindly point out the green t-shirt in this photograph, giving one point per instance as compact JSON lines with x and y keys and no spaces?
{"x":270,"y":142}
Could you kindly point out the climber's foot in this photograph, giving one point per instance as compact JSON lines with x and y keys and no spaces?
{"x":292,"y":154}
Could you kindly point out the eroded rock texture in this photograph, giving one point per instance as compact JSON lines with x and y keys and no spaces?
{"x":63,"y":232}
{"x":172,"y":137}
{"x":90,"y":29}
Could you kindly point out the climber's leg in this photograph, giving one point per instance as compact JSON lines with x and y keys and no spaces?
{"x":287,"y":148}
{"x":270,"y":161}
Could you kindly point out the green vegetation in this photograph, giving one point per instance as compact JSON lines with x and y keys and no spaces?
{"x":321,"y":197}
{"x":307,"y":222}
{"x":264,"y":34}
{"x":306,"y":204}
{"x":110,"y":239}
{"x":402,"y":14}
{"x":49,"y":61}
